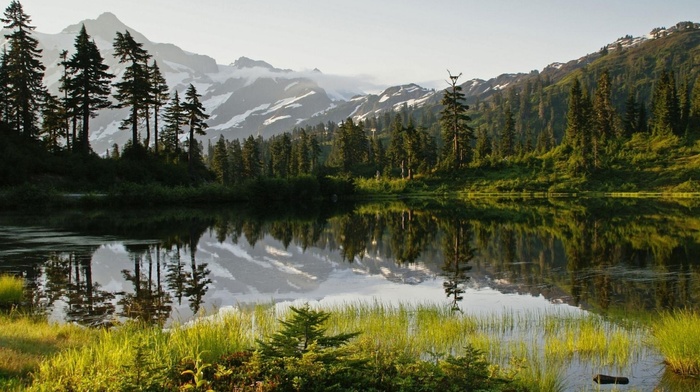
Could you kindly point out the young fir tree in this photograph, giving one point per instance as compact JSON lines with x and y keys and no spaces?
{"x":454,"y":124}
{"x":194,"y":113}
{"x":134,"y":90}
{"x":159,"y":98}
{"x":88,"y":84}
{"x":631,"y":119}
{"x":694,"y":117}
{"x":24,"y":71}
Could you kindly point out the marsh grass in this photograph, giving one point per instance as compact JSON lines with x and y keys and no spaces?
{"x":677,"y":336}
{"x":532,"y":348}
{"x":11,"y":290}
{"x":25,"y":342}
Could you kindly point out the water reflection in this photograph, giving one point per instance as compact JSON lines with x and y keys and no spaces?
{"x":620,"y":256}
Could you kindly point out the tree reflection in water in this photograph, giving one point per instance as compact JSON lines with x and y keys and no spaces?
{"x":609,"y":256}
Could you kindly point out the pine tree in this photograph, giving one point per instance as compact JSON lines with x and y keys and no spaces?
{"x":454,"y":124}
{"x":252,"y":164}
{"x":174,"y":118}
{"x":508,"y":135}
{"x":220,"y":164}
{"x":483,"y":145}
{"x":578,"y":127}
{"x":88,"y":83}
{"x":24,"y":71}
{"x":235,"y":160}
{"x":694,"y":118}
{"x":603,"y":116}
{"x":52,"y":124}
{"x":194,"y":113}
{"x":396,"y":151}
{"x":134,"y":90}
{"x":631,"y":119}
{"x":665,"y":106}
{"x":159,"y":97}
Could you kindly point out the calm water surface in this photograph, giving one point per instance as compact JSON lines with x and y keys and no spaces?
{"x":627,"y":258}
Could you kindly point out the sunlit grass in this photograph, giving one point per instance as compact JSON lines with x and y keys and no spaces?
{"x":11,"y":290}
{"x":25,"y":342}
{"x":533,"y":348}
{"x":677,"y":336}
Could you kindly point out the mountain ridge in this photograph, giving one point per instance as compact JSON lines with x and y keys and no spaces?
{"x":252,"y":97}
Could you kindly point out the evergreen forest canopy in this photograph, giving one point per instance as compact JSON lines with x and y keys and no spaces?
{"x":628,"y":120}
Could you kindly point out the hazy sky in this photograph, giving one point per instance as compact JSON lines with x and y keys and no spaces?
{"x":388,"y":41}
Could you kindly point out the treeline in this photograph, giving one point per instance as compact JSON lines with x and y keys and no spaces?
{"x":585,"y":123}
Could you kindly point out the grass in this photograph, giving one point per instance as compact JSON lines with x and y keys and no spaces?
{"x":26,"y":342}
{"x":11,"y":290}
{"x":535,"y":349}
{"x":677,"y":336}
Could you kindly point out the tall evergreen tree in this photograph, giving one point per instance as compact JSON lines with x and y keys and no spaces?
{"x":134,"y":90}
{"x":454,"y":123}
{"x":631,"y":118}
{"x":508,"y":135}
{"x":24,"y":71}
{"x":195,"y":115}
{"x":88,"y":83}
{"x":577,"y":132}
{"x":220,"y":164}
{"x":665,"y":106}
{"x":252,"y":163}
{"x":159,"y":98}
{"x":694,"y":119}
{"x":603,"y":117}
{"x":174,"y":118}
{"x":235,"y":161}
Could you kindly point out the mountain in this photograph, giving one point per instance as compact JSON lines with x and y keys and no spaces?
{"x":248,"y":97}
{"x":252,"y":97}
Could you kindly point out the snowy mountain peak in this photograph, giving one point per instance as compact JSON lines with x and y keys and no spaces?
{"x":245,"y":62}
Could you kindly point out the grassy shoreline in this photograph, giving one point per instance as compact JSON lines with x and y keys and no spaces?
{"x":530,"y":350}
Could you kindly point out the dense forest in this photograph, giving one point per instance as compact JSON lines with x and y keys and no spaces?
{"x":627,"y":120}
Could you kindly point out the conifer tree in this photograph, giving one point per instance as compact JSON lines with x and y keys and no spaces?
{"x":159,"y":97}
{"x":235,"y":160}
{"x":508,"y":135}
{"x":134,"y":90}
{"x":52,"y":124}
{"x":396,"y":151}
{"x":24,"y":71}
{"x":665,"y":106}
{"x":483,"y":145}
{"x":694,"y":118}
{"x":252,"y":164}
{"x":88,"y":83}
{"x":454,"y":124}
{"x":194,"y":113}
{"x":603,"y":116}
{"x":174,"y":118}
{"x":578,"y":127}
{"x":220,"y":164}
{"x":631,"y":119}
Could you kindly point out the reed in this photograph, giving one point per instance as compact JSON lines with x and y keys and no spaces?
{"x":677,"y":336}
{"x":11,"y":290}
{"x":532,"y":348}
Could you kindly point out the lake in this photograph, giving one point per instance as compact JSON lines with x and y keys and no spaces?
{"x":622,"y":258}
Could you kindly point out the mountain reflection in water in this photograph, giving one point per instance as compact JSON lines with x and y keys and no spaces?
{"x":621,"y":256}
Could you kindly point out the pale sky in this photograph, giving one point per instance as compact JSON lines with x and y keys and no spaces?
{"x":388,"y":42}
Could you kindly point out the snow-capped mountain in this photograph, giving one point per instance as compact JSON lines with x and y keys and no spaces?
{"x":252,"y":97}
{"x":248,"y":97}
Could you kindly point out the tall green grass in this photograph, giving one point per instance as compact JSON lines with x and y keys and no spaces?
{"x":531,"y":348}
{"x":11,"y":290}
{"x":677,"y":336}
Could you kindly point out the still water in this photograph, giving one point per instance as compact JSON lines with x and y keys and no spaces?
{"x":621,"y":258}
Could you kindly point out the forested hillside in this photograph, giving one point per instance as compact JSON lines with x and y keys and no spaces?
{"x":624,"y":119}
